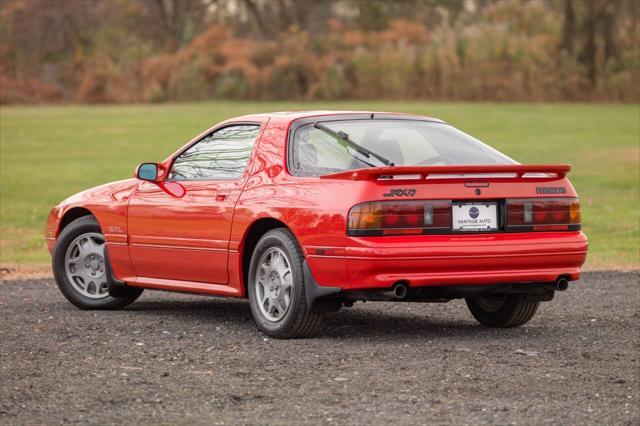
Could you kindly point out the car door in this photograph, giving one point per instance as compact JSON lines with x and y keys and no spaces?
{"x":183,"y":234}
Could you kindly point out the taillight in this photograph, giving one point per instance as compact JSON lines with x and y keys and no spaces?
{"x":400,"y":218}
{"x":543,"y":214}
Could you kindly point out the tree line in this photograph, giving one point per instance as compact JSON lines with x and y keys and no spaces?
{"x":116,"y":51}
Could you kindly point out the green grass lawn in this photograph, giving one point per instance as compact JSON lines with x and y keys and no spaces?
{"x":49,"y":153}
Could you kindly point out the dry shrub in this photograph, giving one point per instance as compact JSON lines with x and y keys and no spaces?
{"x":102,"y":82}
{"x":29,"y":90}
{"x":214,"y":64}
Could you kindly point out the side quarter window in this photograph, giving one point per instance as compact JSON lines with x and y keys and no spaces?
{"x":221,"y":155}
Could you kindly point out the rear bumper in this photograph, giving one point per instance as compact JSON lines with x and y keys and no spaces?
{"x":379,"y":262}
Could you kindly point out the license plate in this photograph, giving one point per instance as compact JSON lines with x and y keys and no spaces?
{"x":475,"y":217}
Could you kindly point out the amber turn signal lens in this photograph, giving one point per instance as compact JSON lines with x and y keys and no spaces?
{"x":574,"y":212}
{"x":367,"y":216}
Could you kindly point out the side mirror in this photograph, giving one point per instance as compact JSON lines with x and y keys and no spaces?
{"x":147,"y":171}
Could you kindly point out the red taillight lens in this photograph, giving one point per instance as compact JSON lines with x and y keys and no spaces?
{"x":540,"y":214}
{"x":543,"y":214}
{"x":400,"y":217}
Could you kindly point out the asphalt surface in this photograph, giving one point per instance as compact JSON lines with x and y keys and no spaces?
{"x":181,"y":359}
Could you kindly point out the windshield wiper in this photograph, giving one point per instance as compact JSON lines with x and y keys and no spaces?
{"x":345,"y":137}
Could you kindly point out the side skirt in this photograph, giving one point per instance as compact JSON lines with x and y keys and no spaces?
{"x":186,"y":286}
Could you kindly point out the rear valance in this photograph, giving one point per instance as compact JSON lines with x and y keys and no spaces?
{"x":498,"y":171}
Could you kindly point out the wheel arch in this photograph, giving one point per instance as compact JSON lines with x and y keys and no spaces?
{"x":253,"y":234}
{"x":72,"y":214}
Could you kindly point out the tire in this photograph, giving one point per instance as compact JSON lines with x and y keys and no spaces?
{"x":503,"y":311}
{"x":268,"y":287}
{"x":77,"y":255}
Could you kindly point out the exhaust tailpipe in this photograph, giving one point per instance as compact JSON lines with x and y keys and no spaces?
{"x":398,"y":291}
{"x":562,"y":284}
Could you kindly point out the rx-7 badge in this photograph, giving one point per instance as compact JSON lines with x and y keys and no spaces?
{"x":400,"y":193}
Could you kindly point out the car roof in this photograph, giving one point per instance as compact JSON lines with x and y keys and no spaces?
{"x":289,"y":116}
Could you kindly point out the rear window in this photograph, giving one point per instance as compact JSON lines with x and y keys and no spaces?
{"x":404,"y":142}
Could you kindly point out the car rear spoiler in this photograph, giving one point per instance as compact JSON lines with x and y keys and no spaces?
{"x":505,"y":171}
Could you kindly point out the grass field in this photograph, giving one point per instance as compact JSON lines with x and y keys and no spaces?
{"x":49,"y":153}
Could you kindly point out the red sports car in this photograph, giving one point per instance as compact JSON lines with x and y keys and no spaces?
{"x":307,"y":212}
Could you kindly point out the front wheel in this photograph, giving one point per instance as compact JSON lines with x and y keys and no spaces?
{"x":276,"y":287}
{"x":80,"y":269}
{"x":502,"y":310}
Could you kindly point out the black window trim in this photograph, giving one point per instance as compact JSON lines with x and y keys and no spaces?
{"x":296,"y":124}
{"x":209,"y":133}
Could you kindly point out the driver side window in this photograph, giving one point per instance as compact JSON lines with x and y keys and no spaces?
{"x":221,"y":155}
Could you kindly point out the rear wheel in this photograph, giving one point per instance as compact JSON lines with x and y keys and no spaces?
{"x":80,"y":269}
{"x":276,"y":287}
{"x":502,"y":310}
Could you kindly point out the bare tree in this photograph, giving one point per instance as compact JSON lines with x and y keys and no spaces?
{"x":569,"y":27}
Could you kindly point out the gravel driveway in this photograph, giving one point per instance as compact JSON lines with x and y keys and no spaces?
{"x":180,"y":359}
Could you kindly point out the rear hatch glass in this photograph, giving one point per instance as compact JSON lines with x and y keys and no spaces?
{"x":403,"y":142}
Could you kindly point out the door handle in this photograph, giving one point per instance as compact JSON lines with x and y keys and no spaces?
{"x":222,"y":195}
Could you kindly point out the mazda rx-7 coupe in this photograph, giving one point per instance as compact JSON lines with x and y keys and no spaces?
{"x":305,"y":213}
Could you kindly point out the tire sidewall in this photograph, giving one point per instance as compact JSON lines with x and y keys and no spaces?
{"x":276,"y":239}
{"x":507,"y":315}
{"x":492,"y":318}
{"x":76,"y":228}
